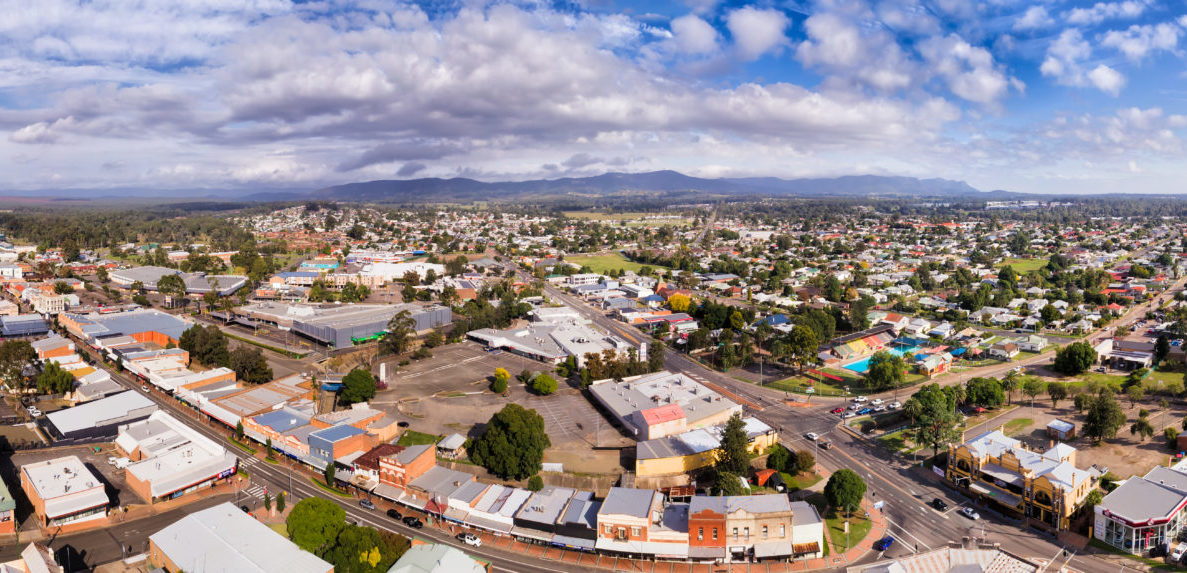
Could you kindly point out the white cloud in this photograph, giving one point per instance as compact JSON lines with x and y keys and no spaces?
{"x":1034,"y":18}
{"x":692,"y":35}
{"x":756,"y":32}
{"x":1102,"y":11}
{"x":1139,"y":41}
{"x":969,"y":71}
{"x":1107,"y":79}
{"x":838,"y":46}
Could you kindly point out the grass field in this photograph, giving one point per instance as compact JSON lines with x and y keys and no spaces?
{"x":1017,"y":425}
{"x":606,"y":263}
{"x":1023,"y":266}
{"x":801,"y":481}
{"x":1161,"y":379}
{"x":414,"y":438}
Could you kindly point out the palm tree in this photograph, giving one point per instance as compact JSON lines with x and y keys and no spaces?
{"x":1010,"y":383}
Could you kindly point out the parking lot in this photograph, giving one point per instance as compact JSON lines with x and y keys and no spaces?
{"x":463,"y":367}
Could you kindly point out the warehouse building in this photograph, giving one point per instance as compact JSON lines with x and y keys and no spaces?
{"x":64,"y":491}
{"x":171,"y":459}
{"x":195,"y":283}
{"x":553,"y":335}
{"x":662,"y":404}
{"x":146,"y":325}
{"x":99,"y":419}
{"x":222,"y":538}
{"x":233,"y":407}
{"x":340,"y":326}
{"x":23,"y":325}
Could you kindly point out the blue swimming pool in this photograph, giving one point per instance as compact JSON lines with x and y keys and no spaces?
{"x":861,"y":366}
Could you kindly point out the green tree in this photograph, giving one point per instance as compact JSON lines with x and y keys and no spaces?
{"x":1074,"y":358}
{"x":55,"y":380}
{"x":1162,"y":347}
{"x":1141,"y":427}
{"x":400,"y":331}
{"x":934,"y":417}
{"x":280,"y":502}
{"x":357,"y":386}
{"x":728,"y":483}
{"x":512,"y":446}
{"x":805,"y":462}
{"x":778,"y":457}
{"x":1050,"y":314}
{"x":801,"y":346}
{"x":1033,"y":387}
{"x":886,"y":371}
{"x":364,"y":550}
{"x":1082,"y":401}
{"x":986,"y":392}
{"x":15,"y":356}
{"x":1135,"y":393}
{"x":171,"y":285}
{"x":239,"y":430}
{"x":535,"y":483}
{"x":1057,"y":391}
{"x":62,"y":287}
{"x":845,"y":490}
{"x":328,"y":473}
{"x":268,"y":448}
{"x":544,"y":385}
{"x":1010,"y":383}
{"x":314,"y":524}
{"x":206,"y":344}
{"x":501,"y":378}
{"x":434,"y":338}
{"x":734,"y":455}
{"x":1104,"y":417}
{"x":250,"y":365}
{"x":267,"y":501}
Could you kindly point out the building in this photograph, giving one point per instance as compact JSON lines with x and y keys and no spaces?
{"x":740,"y":528}
{"x":337,"y":444}
{"x":436,"y":558}
{"x":23,"y":325}
{"x":1004,"y":350}
{"x":632,"y":522}
{"x":171,"y":459}
{"x":7,"y":510}
{"x":64,"y":491}
{"x":36,"y":558}
{"x":1143,"y":512}
{"x":100,"y":419}
{"x":231,"y":408}
{"x":145,"y":325}
{"x":223,"y":538}
{"x":954,"y":559}
{"x":1032,"y":343}
{"x":1046,"y":487}
{"x":553,"y":335}
{"x":695,"y":449}
{"x":340,"y":326}
{"x":662,"y":404}
{"x":195,"y":283}
{"x":807,"y":531}
{"x":1061,"y":430}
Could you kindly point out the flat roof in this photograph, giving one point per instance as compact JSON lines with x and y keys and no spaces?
{"x":648,"y":391}
{"x":223,"y":538}
{"x":175,"y":456}
{"x":102,"y":412}
{"x":66,"y":486}
{"x":546,"y":505}
{"x":628,"y":501}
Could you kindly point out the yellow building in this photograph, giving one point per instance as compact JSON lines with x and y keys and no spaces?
{"x":695,"y":449}
{"x":1047,"y":487}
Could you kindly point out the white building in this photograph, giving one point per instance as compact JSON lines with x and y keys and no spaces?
{"x":64,"y":491}
{"x":171,"y":458}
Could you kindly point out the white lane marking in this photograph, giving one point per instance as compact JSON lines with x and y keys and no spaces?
{"x":908,"y":533}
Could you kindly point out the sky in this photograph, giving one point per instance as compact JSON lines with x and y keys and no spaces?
{"x":1052,"y":97}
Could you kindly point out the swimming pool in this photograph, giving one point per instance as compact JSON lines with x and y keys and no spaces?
{"x":861,"y":366}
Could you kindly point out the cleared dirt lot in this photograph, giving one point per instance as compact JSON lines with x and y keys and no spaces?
{"x":450,"y":393}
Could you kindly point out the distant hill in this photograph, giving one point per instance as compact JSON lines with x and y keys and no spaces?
{"x":654,"y":182}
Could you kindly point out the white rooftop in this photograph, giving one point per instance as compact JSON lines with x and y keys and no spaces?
{"x":174,"y":455}
{"x":66,"y":485}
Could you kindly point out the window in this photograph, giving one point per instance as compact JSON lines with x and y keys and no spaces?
{"x":746,"y":530}
{"x":963,"y":465}
{"x":735,"y":534}
{"x":714,"y":533}
{"x":782,"y":531}
{"x":606,"y":528}
{"x":636,"y":532}
{"x":700,"y":533}
{"x":764,"y":532}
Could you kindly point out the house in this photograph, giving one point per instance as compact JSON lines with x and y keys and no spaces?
{"x":1032,"y":343}
{"x":223,"y":538}
{"x":935,"y":364}
{"x":63,"y":490}
{"x":1045,"y":486}
{"x":1004,"y":350}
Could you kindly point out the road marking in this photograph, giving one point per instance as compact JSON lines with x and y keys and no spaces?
{"x":908,"y":533}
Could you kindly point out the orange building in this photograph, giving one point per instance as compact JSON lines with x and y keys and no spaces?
{"x":64,"y":491}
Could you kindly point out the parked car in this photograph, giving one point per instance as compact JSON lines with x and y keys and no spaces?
{"x":850,"y":414}
{"x":812,"y":436}
{"x":881,"y":408}
{"x":860,"y":399}
{"x":245,"y":509}
{"x":366,"y":504}
{"x":144,"y":387}
{"x":837,"y":410}
{"x":394,"y":515}
{"x":413,"y":522}
{"x":876,"y":402}
{"x":896,"y":405}
{"x":469,"y":539}
{"x":884,"y":543}
{"x":970,"y":513}
{"x":1177,"y":555}
{"x":825,"y":445}
{"x":864,"y":411}
{"x":939,"y":504}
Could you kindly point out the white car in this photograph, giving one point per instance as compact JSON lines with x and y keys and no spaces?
{"x":876,"y":402}
{"x":850,"y":414}
{"x":34,"y":412}
{"x":859,"y":399}
{"x":469,"y":539}
{"x":812,"y":436}
{"x":1177,"y":554}
{"x":896,"y":405}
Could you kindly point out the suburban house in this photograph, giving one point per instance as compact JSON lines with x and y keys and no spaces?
{"x":1004,"y":350}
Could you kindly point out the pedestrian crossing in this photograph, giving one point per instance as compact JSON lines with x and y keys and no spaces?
{"x":248,"y":462}
{"x":254,"y":491}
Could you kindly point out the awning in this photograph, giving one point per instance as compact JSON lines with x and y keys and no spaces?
{"x":805,"y":548}
{"x":1001,"y":496}
{"x":388,"y":491}
{"x":772,"y":549}
{"x":573,"y":542}
{"x":997,"y":472}
{"x":530,"y":533}
{"x":700,"y":552}
{"x":455,"y":514}
{"x":489,"y":524}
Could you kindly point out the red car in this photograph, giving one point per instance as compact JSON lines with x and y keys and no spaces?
{"x":837,"y":410}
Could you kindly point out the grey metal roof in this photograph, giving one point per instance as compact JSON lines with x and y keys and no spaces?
{"x":804,"y":513}
{"x":125,"y":406}
{"x":628,"y":501}
{"x":1138,"y":499}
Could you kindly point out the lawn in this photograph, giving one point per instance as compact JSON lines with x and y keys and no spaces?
{"x":414,"y":438}
{"x":1017,"y":425}
{"x":899,"y":441}
{"x":280,"y":528}
{"x":800,"y":385}
{"x":801,"y":481}
{"x":606,"y":263}
{"x":1161,"y":379}
{"x":1023,"y":266}
{"x":859,"y":527}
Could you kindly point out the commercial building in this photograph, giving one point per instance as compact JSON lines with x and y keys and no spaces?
{"x":337,"y":444}
{"x":223,"y":538}
{"x":1144,"y":512}
{"x":553,"y":335}
{"x":695,"y":449}
{"x":638,"y":522}
{"x":232,"y":407}
{"x":145,"y":325}
{"x":7,"y":510}
{"x":171,"y":459}
{"x":23,"y":325}
{"x":954,"y":559}
{"x":742,"y":527}
{"x":1047,"y":487}
{"x":662,"y":404}
{"x":339,"y":326}
{"x":35,"y":558}
{"x":99,"y":419}
{"x":436,"y":558}
{"x":399,"y":469}
{"x":64,"y":491}
{"x":807,"y":531}
{"x":195,"y":283}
